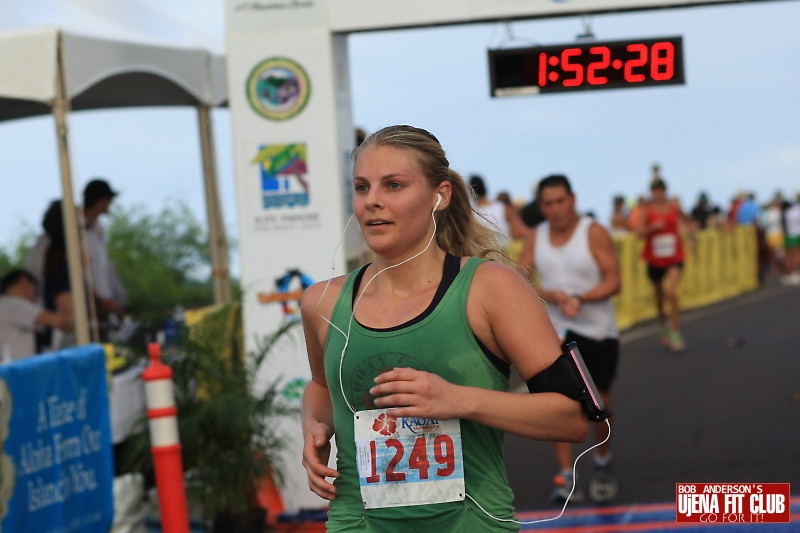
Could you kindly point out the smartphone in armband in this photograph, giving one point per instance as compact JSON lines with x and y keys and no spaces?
{"x":592,"y":401}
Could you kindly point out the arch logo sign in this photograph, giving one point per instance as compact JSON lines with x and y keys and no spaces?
{"x":278,"y":88}
{"x":283,"y":170}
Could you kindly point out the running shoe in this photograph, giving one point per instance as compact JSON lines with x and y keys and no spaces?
{"x":564,"y":483}
{"x":664,"y":336}
{"x":791,"y":279}
{"x":603,"y":485}
{"x":676,"y":342}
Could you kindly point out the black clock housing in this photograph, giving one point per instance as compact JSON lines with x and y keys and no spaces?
{"x":586,"y":66}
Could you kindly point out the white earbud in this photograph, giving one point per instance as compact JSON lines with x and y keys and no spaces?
{"x":438,"y":201}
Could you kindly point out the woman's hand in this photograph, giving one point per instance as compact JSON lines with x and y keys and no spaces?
{"x":316,"y":452}
{"x":414,"y":393}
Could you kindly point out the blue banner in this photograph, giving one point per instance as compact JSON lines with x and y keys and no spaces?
{"x":56,"y":464}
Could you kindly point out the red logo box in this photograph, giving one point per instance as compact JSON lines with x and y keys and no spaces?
{"x":732,"y":502}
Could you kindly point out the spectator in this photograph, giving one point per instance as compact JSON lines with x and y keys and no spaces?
{"x":20,"y":315}
{"x":503,"y":218}
{"x":701,"y":211}
{"x":531,"y":214}
{"x":57,"y":296}
{"x":504,"y":198}
{"x":771,"y":221}
{"x":360,"y":136}
{"x":619,"y":216}
{"x":791,"y":267}
{"x":716,"y":219}
{"x":733,"y":209}
{"x":637,"y":213}
{"x":106,"y":285}
{"x":748,"y":212}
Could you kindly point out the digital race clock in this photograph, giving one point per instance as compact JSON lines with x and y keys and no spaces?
{"x":586,"y":65}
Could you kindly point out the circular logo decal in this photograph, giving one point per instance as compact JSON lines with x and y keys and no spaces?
{"x":362,"y":377}
{"x":278,"y":88}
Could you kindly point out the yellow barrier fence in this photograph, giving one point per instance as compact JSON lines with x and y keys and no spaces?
{"x":719,"y":265}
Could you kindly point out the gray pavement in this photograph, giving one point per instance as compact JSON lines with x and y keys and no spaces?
{"x":725,"y":410}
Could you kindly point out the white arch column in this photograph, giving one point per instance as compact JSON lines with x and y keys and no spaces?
{"x":292,"y":135}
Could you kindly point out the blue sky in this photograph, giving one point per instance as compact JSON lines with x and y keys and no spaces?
{"x":733,"y":126}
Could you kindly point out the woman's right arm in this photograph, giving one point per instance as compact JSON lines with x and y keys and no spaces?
{"x":318,"y":426}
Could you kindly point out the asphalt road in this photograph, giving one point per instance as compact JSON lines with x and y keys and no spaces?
{"x":725,"y":410}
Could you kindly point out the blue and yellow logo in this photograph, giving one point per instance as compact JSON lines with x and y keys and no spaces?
{"x":278,"y":88}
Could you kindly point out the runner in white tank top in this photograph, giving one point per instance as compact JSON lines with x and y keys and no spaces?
{"x":572,"y":269}
{"x":576,"y":264}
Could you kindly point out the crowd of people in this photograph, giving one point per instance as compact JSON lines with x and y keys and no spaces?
{"x":777,"y":224}
{"x":36,"y":301}
{"x":668,"y":232}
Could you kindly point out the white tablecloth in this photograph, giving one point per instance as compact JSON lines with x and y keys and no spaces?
{"x":127,"y":402}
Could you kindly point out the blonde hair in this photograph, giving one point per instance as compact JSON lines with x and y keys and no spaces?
{"x":459,"y":231}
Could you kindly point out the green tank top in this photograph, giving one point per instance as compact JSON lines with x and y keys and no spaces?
{"x":441,"y":343}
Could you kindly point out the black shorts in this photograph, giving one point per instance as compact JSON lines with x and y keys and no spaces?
{"x":601,"y":358}
{"x":656,"y":274}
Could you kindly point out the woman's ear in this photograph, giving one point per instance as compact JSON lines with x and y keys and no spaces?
{"x":445,"y":190}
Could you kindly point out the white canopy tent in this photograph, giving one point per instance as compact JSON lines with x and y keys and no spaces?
{"x":54,"y":70}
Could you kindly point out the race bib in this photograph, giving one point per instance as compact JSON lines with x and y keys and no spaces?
{"x":665,"y":245}
{"x":408,"y":461}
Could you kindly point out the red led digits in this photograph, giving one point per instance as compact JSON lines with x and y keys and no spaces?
{"x":594,"y":66}
{"x":582,"y":66}
{"x":662,"y":61}
{"x":576,"y":67}
{"x":542,"y":69}
{"x":631,"y":64}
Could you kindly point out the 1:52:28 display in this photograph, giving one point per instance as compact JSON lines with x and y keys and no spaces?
{"x":582,"y":66}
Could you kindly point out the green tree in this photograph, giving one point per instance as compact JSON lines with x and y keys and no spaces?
{"x":162,"y":259}
{"x":13,"y":254}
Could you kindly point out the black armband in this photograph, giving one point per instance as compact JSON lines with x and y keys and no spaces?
{"x":569,"y":376}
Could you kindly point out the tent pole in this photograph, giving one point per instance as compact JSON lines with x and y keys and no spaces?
{"x":220,"y":275}
{"x":61,"y":107}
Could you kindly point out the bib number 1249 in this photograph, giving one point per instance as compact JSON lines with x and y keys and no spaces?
{"x":443,"y":453}
{"x":408,"y":461}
